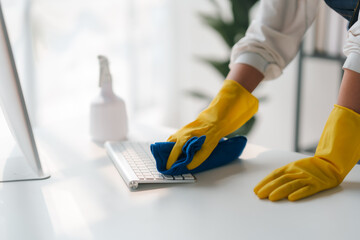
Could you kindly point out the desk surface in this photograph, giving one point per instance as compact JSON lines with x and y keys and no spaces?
{"x":85,"y":198}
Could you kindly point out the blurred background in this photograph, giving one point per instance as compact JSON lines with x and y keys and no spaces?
{"x":157,"y":51}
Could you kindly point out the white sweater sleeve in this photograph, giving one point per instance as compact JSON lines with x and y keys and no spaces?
{"x":273,"y":37}
{"x":352,"y":48}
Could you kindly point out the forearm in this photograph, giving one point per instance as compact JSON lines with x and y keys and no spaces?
{"x":349,"y":95}
{"x":248,"y":76}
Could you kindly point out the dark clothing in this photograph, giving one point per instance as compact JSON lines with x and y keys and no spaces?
{"x":349,"y":9}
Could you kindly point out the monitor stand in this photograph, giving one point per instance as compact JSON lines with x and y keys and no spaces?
{"x":15,"y":167}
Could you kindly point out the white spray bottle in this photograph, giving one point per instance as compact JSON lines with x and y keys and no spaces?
{"x":108,"y":118}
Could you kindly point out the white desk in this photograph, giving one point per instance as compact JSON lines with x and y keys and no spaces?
{"x":85,"y":198}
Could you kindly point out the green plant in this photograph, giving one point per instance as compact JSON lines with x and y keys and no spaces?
{"x":231,"y":30}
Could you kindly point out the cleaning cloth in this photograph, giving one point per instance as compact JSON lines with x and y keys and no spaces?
{"x":225,"y":152}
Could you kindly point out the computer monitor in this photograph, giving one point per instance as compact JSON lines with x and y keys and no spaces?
{"x":27,"y":164}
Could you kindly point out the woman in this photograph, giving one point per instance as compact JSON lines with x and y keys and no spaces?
{"x":271,"y":42}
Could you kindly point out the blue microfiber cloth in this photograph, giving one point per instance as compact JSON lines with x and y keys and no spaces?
{"x":225,"y":152}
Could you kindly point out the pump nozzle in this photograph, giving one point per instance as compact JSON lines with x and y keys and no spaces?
{"x":105,"y":76}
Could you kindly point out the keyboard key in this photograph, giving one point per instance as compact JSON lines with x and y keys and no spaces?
{"x":159,"y":177}
{"x":178,"y":177}
{"x":188,"y":176}
{"x":168,"y":177}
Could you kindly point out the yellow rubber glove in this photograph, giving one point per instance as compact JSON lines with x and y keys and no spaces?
{"x":336,"y":154}
{"x":230,"y":109}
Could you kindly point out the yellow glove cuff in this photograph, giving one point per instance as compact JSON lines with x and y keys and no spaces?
{"x":340,"y":141}
{"x":231,"y":108}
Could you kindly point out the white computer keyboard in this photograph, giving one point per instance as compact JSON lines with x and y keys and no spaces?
{"x":136,"y":164}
